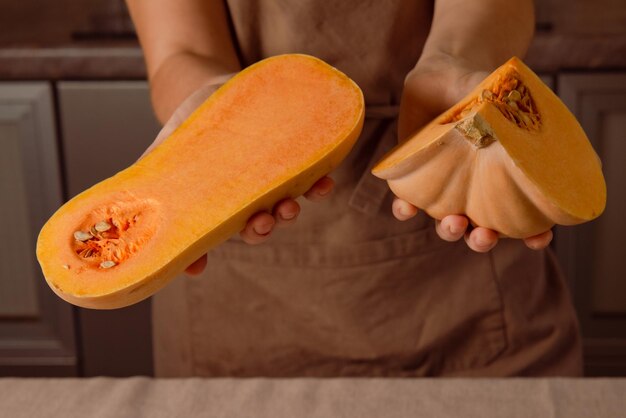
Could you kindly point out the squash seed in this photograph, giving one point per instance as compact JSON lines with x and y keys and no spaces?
{"x":66,"y":266}
{"x":525,"y":119}
{"x":108,"y":264}
{"x":94,"y":232}
{"x":87,"y":252}
{"x":514,"y":95}
{"x":102,"y":226}
{"x":486,"y":95}
{"x":82,"y":236}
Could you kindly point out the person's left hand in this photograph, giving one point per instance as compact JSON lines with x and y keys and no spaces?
{"x":429,"y":89}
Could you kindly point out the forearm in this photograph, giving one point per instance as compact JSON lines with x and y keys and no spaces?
{"x":186,"y":44}
{"x":481,"y":34}
{"x":179,"y":76}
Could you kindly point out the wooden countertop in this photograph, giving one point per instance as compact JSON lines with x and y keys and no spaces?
{"x":341,"y":397}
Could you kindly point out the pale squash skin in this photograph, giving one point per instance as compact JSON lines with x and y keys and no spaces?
{"x":520,"y":185}
{"x":183,"y":210}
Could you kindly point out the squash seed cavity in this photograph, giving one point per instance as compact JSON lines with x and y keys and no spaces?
{"x":513,"y":100}
{"x":110,"y":235}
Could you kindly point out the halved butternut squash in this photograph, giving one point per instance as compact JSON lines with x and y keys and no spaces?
{"x":509,"y":155}
{"x":268,"y":133}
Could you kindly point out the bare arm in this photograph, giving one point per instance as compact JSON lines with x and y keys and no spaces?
{"x":482,"y":34}
{"x":186,"y":45}
{"x":467,"y":39}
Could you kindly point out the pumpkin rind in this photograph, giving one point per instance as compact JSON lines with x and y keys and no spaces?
{"x":268,"y":133}
{"x":477,"y":160}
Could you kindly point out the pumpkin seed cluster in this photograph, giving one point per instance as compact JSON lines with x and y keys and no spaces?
{"x":513,"y":100}
{"x":102,"y":242}
{"x":91,"y":242}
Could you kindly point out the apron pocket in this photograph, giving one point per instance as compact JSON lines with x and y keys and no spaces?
{"x":410,"y":305}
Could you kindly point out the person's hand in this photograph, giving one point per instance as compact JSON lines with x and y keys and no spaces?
{"x":260,"y":225}
{"x":430,"y":88}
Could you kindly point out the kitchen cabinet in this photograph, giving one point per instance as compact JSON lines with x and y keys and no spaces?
{"x":106,"y":126}
{"x":55,"y":141}
{"x":37,"y":331}
{"x":593,"y":255}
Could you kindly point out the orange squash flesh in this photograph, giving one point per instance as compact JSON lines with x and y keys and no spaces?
{"x":268,"y":133}
{"x":510,"y":156}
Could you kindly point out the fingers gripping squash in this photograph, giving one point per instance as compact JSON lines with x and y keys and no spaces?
{"x":268,"y":133}
{"x":510,"y":156}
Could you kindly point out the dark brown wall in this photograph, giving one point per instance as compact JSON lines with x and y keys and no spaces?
{"x":583,"y":17}
{"x":53,"y":22}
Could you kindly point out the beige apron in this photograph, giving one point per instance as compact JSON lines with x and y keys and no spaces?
{"x":349,"y":290}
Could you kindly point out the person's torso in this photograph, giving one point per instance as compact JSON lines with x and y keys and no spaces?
{"x":375,"y":42}
{"x":347,"y":289}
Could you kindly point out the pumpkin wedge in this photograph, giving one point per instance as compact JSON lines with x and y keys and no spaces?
{"x":268,"y":133}
{"x":510,"y":156}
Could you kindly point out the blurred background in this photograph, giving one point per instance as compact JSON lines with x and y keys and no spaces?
{"x":75,"y":109}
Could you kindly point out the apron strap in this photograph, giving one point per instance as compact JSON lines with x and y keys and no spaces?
{"x":370,"y":191}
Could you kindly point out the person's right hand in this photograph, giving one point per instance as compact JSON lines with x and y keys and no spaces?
{"x":260,"y":225}
{"x":430,"y":88}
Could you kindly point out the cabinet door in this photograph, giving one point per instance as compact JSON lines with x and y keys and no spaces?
{"x":594,"y":254}
{"x":36,"y":327}
{"x":106,"y":126}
